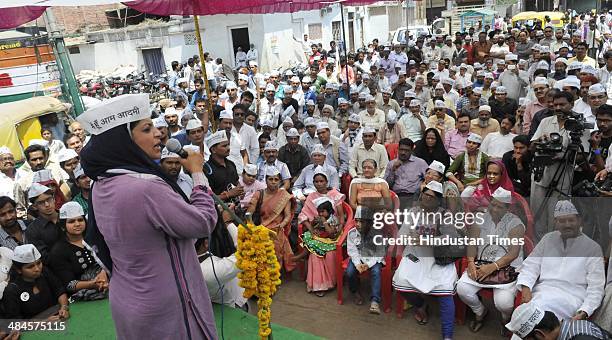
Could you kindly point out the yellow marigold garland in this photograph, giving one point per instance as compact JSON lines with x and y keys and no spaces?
{"x":260,"y":270}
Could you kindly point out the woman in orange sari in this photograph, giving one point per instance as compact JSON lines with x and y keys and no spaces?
{"x":276,"y":207}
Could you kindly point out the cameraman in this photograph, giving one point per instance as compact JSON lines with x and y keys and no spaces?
{"x":562,"y":109}
{"x":601,"y":139}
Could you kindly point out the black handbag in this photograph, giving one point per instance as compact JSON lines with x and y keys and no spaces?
{"x":502,"y":275}
{"x":257,"y":213}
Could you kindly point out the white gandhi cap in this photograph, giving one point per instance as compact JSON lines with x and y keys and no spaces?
{"x":71,"y":210}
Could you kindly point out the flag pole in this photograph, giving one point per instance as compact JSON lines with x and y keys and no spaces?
{"x":211,"y":116}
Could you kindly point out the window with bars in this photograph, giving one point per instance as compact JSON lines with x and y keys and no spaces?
{"x":337,"y":30}
{"x":315,"y":31}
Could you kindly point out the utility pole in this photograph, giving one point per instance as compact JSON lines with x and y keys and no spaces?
{"x":69,"y":85}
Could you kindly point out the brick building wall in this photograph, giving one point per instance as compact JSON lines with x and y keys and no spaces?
{"x":80,"y":19}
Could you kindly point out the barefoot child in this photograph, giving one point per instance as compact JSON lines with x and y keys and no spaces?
{"x":364,"y":255}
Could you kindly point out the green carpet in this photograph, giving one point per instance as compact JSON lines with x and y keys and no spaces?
{"x":92,"y":320}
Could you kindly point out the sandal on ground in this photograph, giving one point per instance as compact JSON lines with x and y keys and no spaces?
{"x":320,"y":293}
{"x":374,"y":308}
{"x":421,"y":315}
{"x":478,"y":322}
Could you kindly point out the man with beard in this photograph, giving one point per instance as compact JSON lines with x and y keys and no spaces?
{"x":12,"y":229}
{"x":342,"y":114}
{"x":309,"y":138}
{"x":601,"y":139}
{"x":405,"y":173}
{"x":558,"y":42}
{"x":369,"y":149}
{"x":352,"y":135}
{"x":171,"y":166}
{"x":83,"y":183}
{"x":293,"y":154}
{"x":337,"y":155}
{"x":484,"y":124}
{"x":501,"y":105}
{"x":238,"y":153}
{"x":400,"y":87}
{"x":560,"y":67}
{"x":37,"y":158}
{"x":583,"y":103}
{"x":43,"y":231}
{"x":496,"y":144}
{"x":387,"y":103}
{"x":540,"y":88}
{"x":73,"y":142}
{"x":271,"y":161}
{"x":467,"y":176}
{"x":518,"y":163}
{"x":171,"y":116}
{"x":481,"y":48}
{"x":562,"y":106}
{"x":565,"y":263}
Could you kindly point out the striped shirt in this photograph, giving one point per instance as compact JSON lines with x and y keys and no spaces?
{"x":572,"y":328}
{"x":9,"y":241}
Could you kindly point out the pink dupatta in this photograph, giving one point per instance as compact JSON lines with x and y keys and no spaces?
{"x":484,"y":191}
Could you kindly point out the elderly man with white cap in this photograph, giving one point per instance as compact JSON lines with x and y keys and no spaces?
{"x":531,"y":322}
{"x":391,"y":132}
{"x":352,"y":134}
{"x":238,"y":153}
{"x":304,"y":184}
{"x":337,"y":153}
{"x":484,"y":124}
{"x":413,"y":120}
{"x":440,"y":120}
{"x":564,"y":273}
{"x":540,"y":87}
{"x":271,"y":161}
{"x":372,"y":116}
{"x":496,"y":223}
{"x":387,"y":103}
{"x":293,"y":154}
{"x":369,"y":149}
{"x":309,"y":138}
{"x":8,"y":185}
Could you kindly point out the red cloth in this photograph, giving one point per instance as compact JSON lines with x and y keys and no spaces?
{"x":15,"y":16}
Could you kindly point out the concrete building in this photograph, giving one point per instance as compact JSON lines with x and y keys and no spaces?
{"x":278,"y":37}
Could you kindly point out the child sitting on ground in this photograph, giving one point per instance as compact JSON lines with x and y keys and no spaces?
{"x":364,"y":255}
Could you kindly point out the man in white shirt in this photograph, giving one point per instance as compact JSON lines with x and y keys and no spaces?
{"x":500,"y":49}
{"x":252,"y":54}
{"x":269,"y":107}
{"x":171,"y":166}
{"x":400,"y":58}
{"x":247,"y":133}
{"x":238,"y":153}
{"x":413,"y":121}
{"x":565,"y":272}
{"x":221,"y":273}
{"x":372,"y":116}
{"x":241,"y":58}
{"x":495,"y":144}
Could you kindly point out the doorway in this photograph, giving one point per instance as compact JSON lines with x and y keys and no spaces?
{"x":240,"y":38}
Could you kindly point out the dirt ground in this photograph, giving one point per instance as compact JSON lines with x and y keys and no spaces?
{"x":323,"y":316}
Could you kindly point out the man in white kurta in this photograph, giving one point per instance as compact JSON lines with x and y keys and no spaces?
{"x":565,"y":272}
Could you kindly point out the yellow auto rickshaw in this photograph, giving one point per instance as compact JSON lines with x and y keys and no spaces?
{"x":19,"y":121}
{"x":557,"y":19}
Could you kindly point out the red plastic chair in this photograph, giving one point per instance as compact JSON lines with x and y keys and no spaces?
{"x":345,"y":184}
{"x":349,"y":223}
{"x":386,"y":274}
{"x":392,"y":150}
{"x":520,"y":207}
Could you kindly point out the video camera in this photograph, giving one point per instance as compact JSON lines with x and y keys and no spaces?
{"x":545,"y":153}
{"x":576,"y":124}
{"x":585,"y":188}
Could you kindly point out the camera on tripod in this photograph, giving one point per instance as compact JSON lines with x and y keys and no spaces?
{"x":545,"y":153}
{"x":585,"y":188}
{"x":576,"y":124}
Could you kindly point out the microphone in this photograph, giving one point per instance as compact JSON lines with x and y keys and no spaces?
{"x":174,"y":146}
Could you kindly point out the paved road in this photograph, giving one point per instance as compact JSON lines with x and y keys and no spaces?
{"x":293,"y":307}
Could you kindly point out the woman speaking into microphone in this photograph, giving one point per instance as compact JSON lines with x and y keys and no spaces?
{"x":143,"y":228}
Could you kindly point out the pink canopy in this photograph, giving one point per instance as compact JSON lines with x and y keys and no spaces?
{"x":14,"y":16}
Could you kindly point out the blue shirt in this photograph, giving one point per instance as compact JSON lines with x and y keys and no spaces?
{"x":196,"y":96}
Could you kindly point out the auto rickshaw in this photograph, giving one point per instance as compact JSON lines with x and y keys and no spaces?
{"x":20,"y":121}
{"x":557,"y":19}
